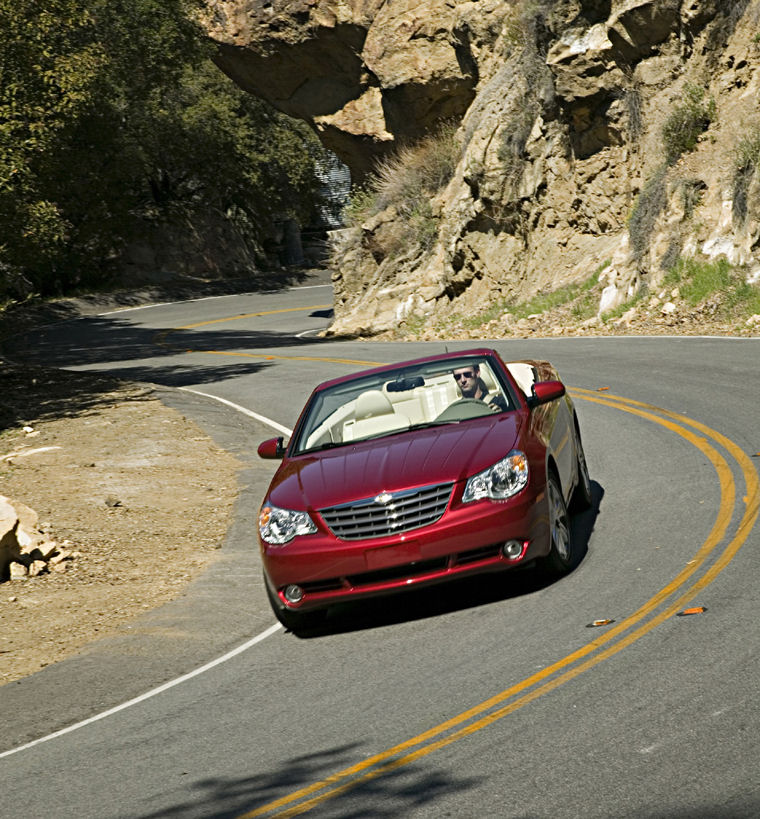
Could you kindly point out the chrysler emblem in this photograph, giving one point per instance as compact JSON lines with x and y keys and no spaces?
{"x":384,"y":498}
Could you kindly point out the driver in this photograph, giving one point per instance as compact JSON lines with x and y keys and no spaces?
{"x":472,"y":385}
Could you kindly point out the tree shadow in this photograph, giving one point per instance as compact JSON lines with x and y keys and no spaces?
{"x":32,"y":394}
{"x":458,"y":595}
{"x":104,"y":339}
{"x":28,"y":314}
{"x":183,"y":376}
{"x":41,"y":389}
{"x":394,"y":793}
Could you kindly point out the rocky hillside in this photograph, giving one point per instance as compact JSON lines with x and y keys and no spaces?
{"x":583,"y":139}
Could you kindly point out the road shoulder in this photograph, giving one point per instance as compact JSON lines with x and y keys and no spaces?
{"x":223,"y":607}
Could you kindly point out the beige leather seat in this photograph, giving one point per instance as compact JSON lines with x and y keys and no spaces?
{"x":373,"y":415}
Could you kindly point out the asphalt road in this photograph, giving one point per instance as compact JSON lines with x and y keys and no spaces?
{"x":491,"y":698}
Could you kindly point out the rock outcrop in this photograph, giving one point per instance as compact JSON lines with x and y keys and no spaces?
{"x":364,"y":73}
{"x":563,"y":164}
{"x":25,"y":549}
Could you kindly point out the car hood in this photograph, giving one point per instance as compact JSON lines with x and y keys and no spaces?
{"x":363,"y":469}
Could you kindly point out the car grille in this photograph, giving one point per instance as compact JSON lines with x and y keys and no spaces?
{"x":405,"y":510}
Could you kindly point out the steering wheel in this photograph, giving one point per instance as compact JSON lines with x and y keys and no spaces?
{"x":463,"y":409}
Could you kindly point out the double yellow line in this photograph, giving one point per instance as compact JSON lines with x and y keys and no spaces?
{"x":670,"y":599}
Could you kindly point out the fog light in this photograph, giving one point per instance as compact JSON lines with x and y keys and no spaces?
{"x":293,"y":593}
{"x":512,"y":549}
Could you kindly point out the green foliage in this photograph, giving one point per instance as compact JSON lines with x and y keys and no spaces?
{"x":649,"y":204}
{"x":686,"y":122}
{"x":744,"y":298}
{"x":586,"y":301}
{"x":407,"y":182}
{"x":697,"y":279}
{"x":361,"y":202}
{"x":702,"y":281}
{"x":113,"y":118}
{"x":414,"y":325}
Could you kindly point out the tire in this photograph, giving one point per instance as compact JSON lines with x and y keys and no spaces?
{"x":582,"y":498}
{"x":562,"y":552}
{"x":297,"y":622}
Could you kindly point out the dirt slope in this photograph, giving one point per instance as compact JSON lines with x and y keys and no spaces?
{"x":142,"y":494}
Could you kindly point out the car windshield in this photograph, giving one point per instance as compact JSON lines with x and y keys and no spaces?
{"x":395,"y":401}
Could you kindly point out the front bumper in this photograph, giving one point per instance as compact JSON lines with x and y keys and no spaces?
{"x":465,"y":541}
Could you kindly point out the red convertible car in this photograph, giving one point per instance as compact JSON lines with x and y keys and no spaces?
{"x":418,"y":473}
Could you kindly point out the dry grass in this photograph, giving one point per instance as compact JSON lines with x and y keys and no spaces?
{"x":407,"y":182}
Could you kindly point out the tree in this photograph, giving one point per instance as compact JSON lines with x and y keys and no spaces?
{"x":114,"y":119}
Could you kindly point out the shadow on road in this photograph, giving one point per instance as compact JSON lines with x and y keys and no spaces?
{"x":34,"y":387}
{"x":395,"y":793}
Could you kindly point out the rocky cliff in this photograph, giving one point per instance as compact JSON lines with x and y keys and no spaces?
{"x":590,"y":134}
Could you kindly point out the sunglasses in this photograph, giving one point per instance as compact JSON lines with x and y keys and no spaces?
{"x":460,"y":376}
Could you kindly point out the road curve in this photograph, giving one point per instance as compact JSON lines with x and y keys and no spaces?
{"x":493,"y":698}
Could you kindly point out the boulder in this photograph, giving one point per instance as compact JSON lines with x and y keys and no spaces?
{"x":25,"y":551}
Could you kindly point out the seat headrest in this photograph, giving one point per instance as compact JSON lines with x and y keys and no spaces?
{"x":488,"y":380}
{"x":371,"y":403}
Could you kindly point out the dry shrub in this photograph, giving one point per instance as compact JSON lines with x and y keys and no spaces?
{"x":649,"y":205}
{"x":686,"y":122}
{"x":407,"y":182}
{"x":746,"y":160}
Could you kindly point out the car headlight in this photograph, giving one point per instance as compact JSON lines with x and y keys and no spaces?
{"x":278,"y":526}
{"x":500,"y":481}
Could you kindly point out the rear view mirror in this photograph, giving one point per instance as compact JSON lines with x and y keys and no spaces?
{"x":546,"y":391}
{"x":272,"y":448}
{"x":405,"y":384}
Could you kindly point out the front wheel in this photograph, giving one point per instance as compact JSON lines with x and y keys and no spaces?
{"x":562,"y":552}
{"x":296,"y":621}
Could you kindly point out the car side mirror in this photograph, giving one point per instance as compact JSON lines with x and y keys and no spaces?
{"x":545,"y":391}
{"x":272,"y":448}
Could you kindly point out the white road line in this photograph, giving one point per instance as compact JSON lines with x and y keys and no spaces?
{"x":185,"y":677}
{"x":148,"y":694}
{"x":249,"y":413}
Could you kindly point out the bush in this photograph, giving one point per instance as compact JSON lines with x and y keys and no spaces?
{"x":114,"y":121}
{"x":417,"y":172}
{"x":684,"y":125}
{"x":691,"y":191}
{"x":746,"y":160}
{"x":408,"y":181}
{"x":511,"y":150}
